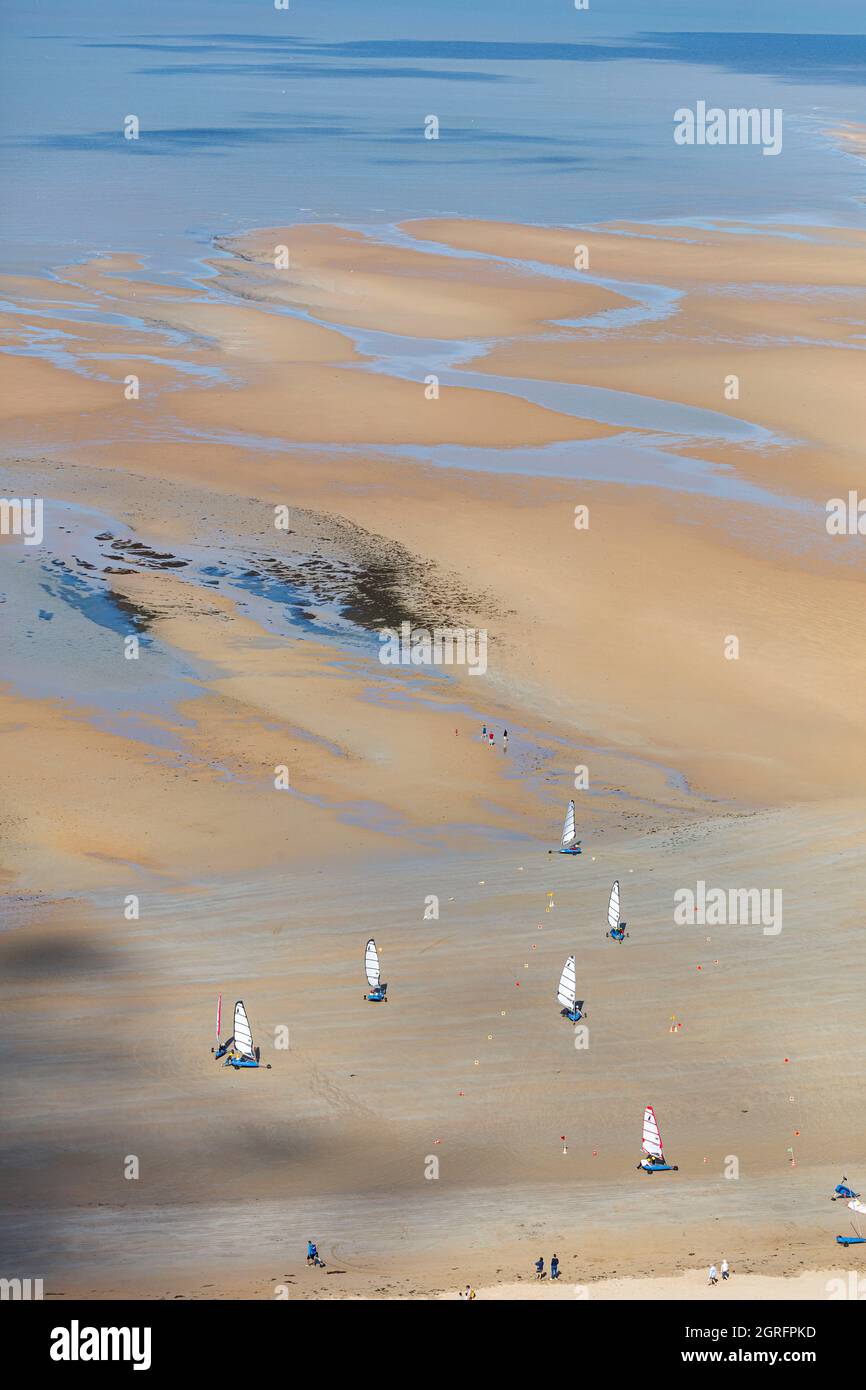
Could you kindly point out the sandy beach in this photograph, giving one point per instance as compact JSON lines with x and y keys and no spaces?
{"x":212,"y":785}
{"x":691,"y":1285}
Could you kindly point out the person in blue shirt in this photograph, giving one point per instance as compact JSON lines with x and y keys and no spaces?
{"x":554,"y":1267}
{"x":539,"y":1268}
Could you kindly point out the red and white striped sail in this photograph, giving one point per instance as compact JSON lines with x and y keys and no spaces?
{"x":652,"y":1139}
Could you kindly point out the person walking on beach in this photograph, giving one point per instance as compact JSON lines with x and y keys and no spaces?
{"x":539,"y":1268}
{"x":714,"y":1277}
{"x":505,"y":740}
{"x":554,"y":1267}
{"x":484,"y":732}
{"x":492,"y":739}
{"x":468,"y":1292}
{"x":726,"y":1273}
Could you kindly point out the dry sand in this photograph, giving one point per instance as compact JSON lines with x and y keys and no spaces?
{"x":692,"y":1285}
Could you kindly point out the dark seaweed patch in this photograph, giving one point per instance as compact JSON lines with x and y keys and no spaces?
{"x":140,"y":617}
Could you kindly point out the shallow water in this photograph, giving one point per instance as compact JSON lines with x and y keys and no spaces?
{"x":318,"y":114}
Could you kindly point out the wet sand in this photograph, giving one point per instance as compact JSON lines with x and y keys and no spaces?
{"x":469,"y":1065}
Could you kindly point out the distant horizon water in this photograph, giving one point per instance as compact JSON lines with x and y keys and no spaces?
{"x":304,"y":118}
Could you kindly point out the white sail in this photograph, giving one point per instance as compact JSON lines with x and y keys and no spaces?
{"x":652,"y":1140}
{"x":568,"y":827}
{"x":613,"y":907}
{"x":858,"y":1206}
{"x":371,"y":964}
{"x":243,"y":1032}
{"x":566,"y":991}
